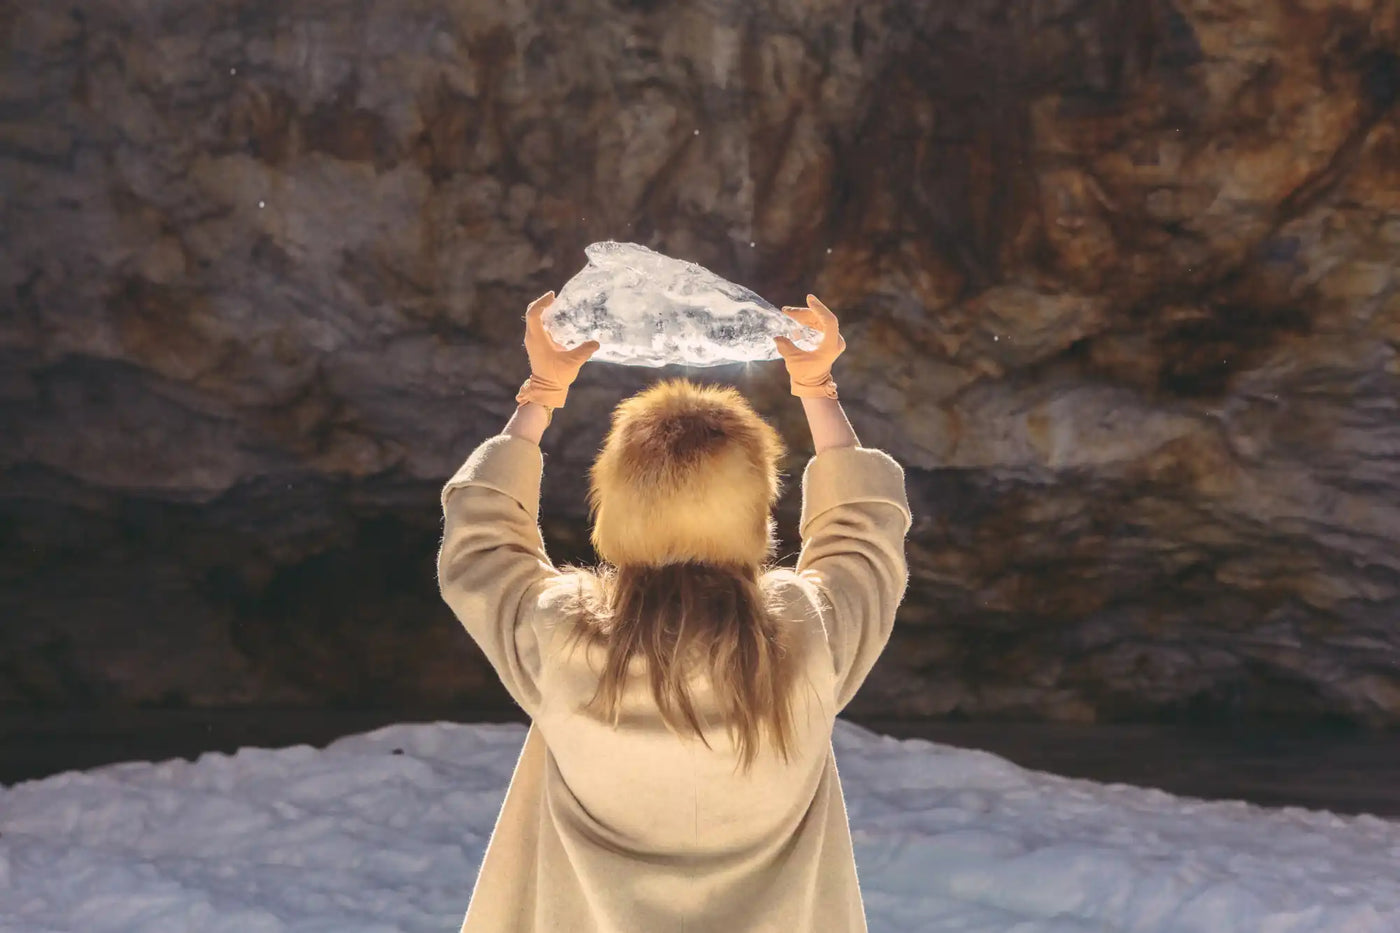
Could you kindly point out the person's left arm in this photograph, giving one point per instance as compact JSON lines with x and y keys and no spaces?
{"x":492,"y":565}
{"x":529,"y":422}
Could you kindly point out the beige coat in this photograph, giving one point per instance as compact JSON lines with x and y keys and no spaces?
{"x":636,"y":829}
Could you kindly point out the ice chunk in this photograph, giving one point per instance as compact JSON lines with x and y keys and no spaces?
{"x":647,"y":309}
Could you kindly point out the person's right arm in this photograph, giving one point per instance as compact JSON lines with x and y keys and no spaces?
{"x":855,"y":514}
{"x":829,"y":425}
{"x":810,"y":373}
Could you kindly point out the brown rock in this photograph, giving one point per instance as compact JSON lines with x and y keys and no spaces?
{"x":1118,"y":281}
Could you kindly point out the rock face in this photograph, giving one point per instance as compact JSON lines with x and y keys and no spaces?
{"x":1118,"y":279}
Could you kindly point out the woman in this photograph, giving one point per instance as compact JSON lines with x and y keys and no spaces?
{"x":678,"y":774}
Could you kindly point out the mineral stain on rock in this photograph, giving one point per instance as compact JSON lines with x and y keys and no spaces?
{"x":1118,"y":281}
{"x":345,"y":131}
{"x":1200,"y":354}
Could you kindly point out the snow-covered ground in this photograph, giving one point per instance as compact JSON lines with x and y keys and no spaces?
{"x":383,"y":832}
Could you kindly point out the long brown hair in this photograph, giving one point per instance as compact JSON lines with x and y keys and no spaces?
{"x":684,"y":617}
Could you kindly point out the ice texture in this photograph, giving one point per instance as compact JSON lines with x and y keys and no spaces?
{"x":647,"y":309}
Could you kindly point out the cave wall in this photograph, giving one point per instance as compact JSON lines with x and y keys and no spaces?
{"x":1117,"y":278}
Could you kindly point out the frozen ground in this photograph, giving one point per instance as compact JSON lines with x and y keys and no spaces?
{"x":383,"y":831}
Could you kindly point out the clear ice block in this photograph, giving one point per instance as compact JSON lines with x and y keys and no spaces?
{"x":647,"y":309}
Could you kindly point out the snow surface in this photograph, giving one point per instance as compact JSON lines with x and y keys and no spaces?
{"x":384,"y":832}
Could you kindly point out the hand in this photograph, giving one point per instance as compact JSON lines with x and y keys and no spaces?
{"x":810,"y":370}
{"x":552,"y":368}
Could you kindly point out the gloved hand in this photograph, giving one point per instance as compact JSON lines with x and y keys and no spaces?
{"x":552,"y":368}
{"x":810,"y":370}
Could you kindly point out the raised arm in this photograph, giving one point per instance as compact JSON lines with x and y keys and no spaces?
{"x":854,"y":518}
{"x":828,"y":423}
{"x":492,"y":566}
{"x":855,"y":514}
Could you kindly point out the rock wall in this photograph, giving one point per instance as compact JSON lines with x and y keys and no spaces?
{"x":1117,"y":276}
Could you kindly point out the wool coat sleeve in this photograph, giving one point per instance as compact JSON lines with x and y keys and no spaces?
{"x":855,"y":515}
{"x":492,"y":565}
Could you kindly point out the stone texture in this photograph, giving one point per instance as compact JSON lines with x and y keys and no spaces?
{"x":1118,"y":281}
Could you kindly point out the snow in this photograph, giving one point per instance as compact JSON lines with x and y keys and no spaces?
{"x":384,"y":831}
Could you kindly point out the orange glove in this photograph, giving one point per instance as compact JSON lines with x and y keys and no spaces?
{"x":810,"y":370}
{"x":552,"y":368}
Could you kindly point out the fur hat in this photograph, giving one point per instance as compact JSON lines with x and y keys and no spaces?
{"x":688,"y":472}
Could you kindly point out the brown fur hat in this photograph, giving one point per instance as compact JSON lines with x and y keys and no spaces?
{"x":688,"y":472}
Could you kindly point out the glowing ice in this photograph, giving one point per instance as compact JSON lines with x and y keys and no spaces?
{"x":647,"y":309}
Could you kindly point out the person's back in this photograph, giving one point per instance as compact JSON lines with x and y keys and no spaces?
{"x":669,"y":795}
{"x":679,"y":773}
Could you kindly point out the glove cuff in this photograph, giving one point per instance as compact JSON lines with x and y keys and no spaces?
{"x":825,"y":388}
{"x":542,"y":391}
